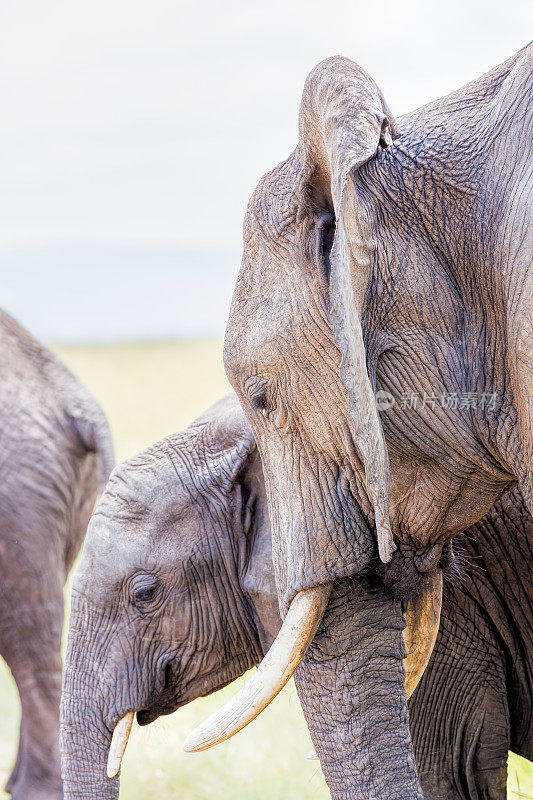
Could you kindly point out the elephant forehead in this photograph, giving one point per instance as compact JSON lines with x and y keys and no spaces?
{"x":276,"y":298}
{"x":289,"y":327}
{"x":108,"y":556}
{"x":137,"y":525}
{"x":158,"y":485}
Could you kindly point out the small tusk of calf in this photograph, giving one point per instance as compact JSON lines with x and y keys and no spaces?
{"x":119,"y":742}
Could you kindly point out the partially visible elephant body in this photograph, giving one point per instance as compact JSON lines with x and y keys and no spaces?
{"x":55,"y":451}
{"x":475,"y":700}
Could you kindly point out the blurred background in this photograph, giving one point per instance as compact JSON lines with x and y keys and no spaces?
{"x":132,"y":136}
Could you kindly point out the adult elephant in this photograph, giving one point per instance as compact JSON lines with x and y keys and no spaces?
{"x":393,"y":259}
{"x":55,"y":452}
{"x":175,"y":596}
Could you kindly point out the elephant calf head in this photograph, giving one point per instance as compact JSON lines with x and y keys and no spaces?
{"x":174,"y":596}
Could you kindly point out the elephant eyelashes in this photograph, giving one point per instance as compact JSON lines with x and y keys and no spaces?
{"x":256,"y":388}
{"x":145,"y":590}
{"x":145,"y":593}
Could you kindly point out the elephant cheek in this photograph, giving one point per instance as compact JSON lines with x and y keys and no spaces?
{"x":319,"y":532}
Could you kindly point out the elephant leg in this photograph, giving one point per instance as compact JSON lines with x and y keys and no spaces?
{"x":459,"y":717}
{"x":31,"y":618}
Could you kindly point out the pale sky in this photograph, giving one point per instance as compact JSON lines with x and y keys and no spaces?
{"x":128,"y":123}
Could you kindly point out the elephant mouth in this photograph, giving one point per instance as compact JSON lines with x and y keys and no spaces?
{"x":165,"y":702}
{"x":175,"y":692}
{"x":169,"y":693}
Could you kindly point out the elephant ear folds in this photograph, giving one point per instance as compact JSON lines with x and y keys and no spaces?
{"x":343,"y":121}
{"x":230,"y":444}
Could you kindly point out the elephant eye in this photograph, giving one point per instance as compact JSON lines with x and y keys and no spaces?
{"x":260,"y":402}
{"x":145,"y":593}
{"x":256,"y":388}
{"x":145,"y":589}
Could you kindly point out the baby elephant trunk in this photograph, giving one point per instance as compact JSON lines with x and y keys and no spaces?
{"x":85,"y":742}
{"x":85,"y":738}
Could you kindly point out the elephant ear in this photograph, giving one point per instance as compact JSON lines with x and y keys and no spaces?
{"x":343,"y":121}
{"x":229,"y":442}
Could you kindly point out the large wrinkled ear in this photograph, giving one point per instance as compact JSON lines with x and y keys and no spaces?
{"x":343,"y":122}
{"x":229,"y":444}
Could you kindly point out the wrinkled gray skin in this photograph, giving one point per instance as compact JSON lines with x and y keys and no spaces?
{"x":192,"y":511}
{"x":385,"y":256}
{"x":55,"y":451}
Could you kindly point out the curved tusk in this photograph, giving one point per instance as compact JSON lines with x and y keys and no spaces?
{"x":311,"y":755}
{"x":274,"y":671}
{"x":121,"y":734}
{"x":422,"y":616}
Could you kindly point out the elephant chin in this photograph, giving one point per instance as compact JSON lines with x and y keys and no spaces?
{"x":297,"y":632}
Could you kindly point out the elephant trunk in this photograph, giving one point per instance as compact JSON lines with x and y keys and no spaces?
{"x":85,"y":739}
{"x":351,"y":687}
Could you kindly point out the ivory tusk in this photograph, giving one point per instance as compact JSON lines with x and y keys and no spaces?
{"x":311,"y":755}
{"x":422,"y":616}
{"x":121,"y":734}
{"x":296,"y":634}
{"x":275,"y":670}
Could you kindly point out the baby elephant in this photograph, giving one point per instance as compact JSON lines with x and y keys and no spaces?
{"x":175,"y":597}
{"x":55,"y":451}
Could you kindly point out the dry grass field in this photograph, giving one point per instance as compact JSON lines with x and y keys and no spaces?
{"x":149,"y":390}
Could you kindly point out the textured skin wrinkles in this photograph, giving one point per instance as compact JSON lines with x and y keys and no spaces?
{"x":480,"y":676}
{"x":484,"y":642}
